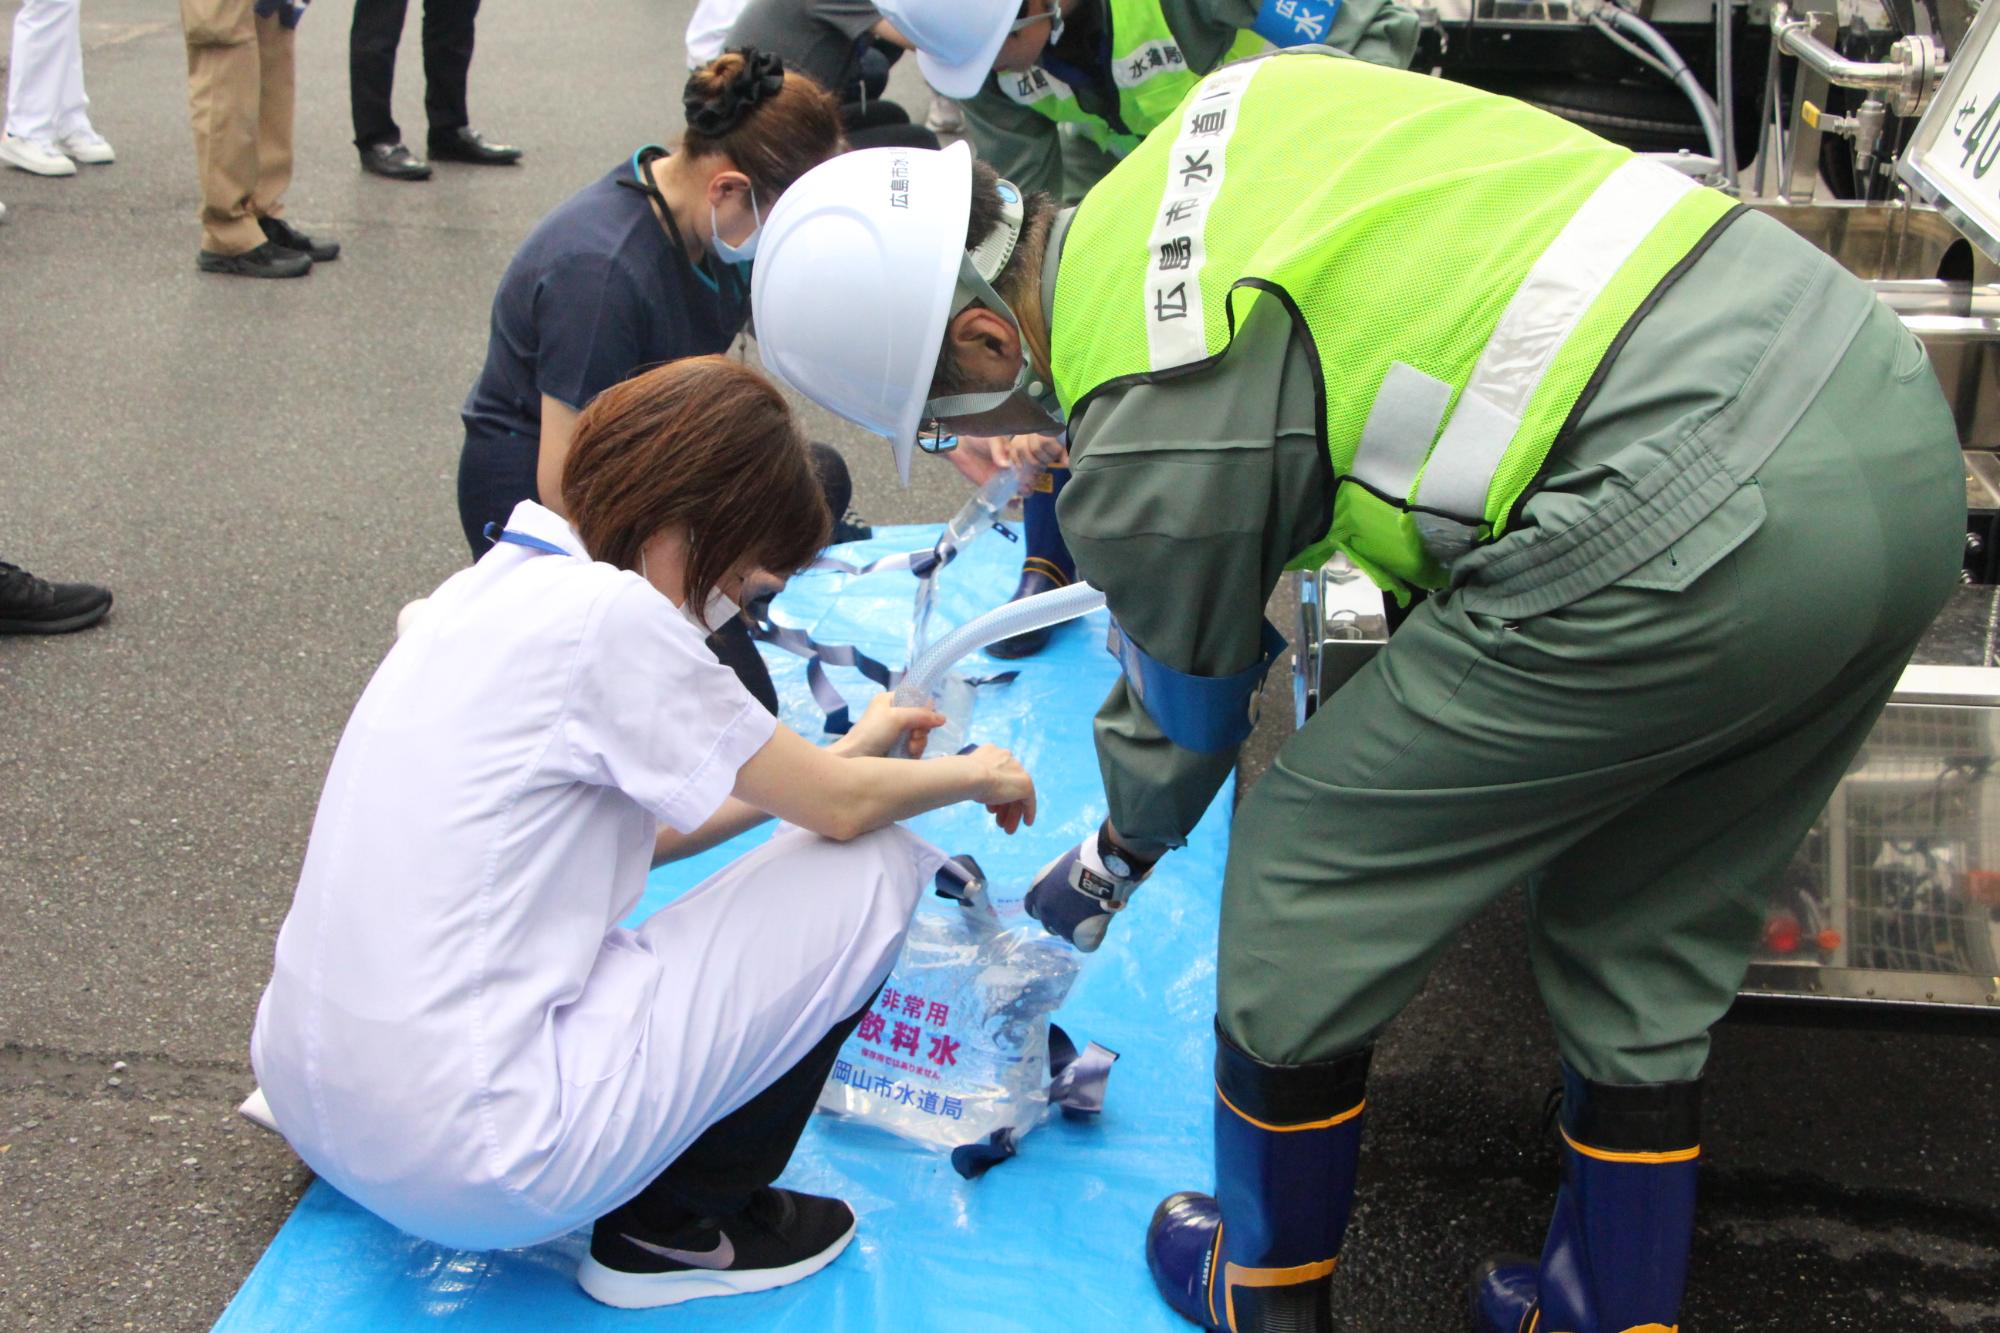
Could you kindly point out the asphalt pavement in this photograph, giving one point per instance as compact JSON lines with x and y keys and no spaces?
{"x":263,"y":471}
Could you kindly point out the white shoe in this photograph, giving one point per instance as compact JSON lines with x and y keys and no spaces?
{"x":87,"y":146}
{"x":29,"y":155}
{"x":3,"y":212}
{"x":944,"y":117}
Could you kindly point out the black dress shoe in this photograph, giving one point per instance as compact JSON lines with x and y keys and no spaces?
{"x":287,"y":237}
{"x":1037,"y":575}
{"x":466,"y":145}
{"x":394,"y":161}
{"x":266,"y":261}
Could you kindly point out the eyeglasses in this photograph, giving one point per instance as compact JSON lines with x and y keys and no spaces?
{"x":932,"y":439}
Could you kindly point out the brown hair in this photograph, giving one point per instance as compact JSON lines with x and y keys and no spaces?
{"x":775,"y":124}
{"x":707,"y":444}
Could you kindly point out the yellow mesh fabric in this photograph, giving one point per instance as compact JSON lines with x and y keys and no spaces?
{"x":1549,"y":409}
{"x":1400,"y":215}
{"x":1400,"y":212}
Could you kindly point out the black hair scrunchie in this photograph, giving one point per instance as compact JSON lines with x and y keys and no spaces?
{"x":763,"y":73}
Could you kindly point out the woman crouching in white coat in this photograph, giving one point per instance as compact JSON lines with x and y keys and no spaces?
{"x":458,"y":1035}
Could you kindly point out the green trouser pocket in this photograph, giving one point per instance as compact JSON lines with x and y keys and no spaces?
{"x":1702,"y":546}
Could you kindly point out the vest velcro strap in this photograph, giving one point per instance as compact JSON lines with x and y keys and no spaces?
{"x":1446,"y":539}
{"x":1402,"y":422}
{"x":1467,"y":455}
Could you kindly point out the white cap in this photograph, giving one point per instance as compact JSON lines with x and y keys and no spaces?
{"x":957,"y":40}
{"x":856,"y":269}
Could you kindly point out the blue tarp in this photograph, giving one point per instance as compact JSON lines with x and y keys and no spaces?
{"x":1051,"y":1239}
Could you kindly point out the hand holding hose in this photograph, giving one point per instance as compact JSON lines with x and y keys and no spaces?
{"x":884,"y":723}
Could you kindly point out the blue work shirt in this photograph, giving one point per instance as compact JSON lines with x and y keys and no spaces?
{"x":596,"y":294}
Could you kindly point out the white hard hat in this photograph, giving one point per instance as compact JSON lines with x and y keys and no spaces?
{"x":853,"y":284}
{"x":957,"y":40}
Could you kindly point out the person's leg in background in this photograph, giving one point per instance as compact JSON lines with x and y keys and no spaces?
{"x":372,"y":38}
{"x":225,"y":81}
{"x":44,"y":71}
{"x":75,"y":135}
{"x":31,"y":605}
{"x":1047,"y":564}
{"x":277,"y":95}
{"x":448,"y":43}
{"x":767,"y":967}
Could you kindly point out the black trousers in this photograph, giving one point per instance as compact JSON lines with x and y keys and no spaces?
{"x":744,"y":1151}
{"x":879,"y":124}
{"x":371,"y":65}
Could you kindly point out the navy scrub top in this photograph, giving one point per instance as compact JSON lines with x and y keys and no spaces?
{"x":597,"y":294}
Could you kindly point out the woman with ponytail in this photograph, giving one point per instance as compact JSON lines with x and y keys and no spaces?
{"x":648,"y":264}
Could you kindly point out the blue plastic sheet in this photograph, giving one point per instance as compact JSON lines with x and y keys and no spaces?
{"x":1051,"y":1239}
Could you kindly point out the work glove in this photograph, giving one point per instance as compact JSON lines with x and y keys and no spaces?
{"x":289,"y":12}
{"x":1076,"y":894}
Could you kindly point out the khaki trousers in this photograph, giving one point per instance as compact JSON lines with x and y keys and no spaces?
{"x":240,"y":93}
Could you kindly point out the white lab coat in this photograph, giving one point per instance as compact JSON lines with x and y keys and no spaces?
{"x":457,"y":1033}
{"x":45,"y":98}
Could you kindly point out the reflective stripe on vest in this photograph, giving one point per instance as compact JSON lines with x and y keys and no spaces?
{"x":1174,"y":282}
{"x":1460,"y":264}
{"x":1570,"y":275}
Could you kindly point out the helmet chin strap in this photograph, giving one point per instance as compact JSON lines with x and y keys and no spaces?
{"x":976,"y":270}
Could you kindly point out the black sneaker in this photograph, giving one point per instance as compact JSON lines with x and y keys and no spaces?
{"x":780,"y":1238}
{"x":266,"y":261}
{"x":29,"y":605}
{"x":284,"y":235}
{"x":850,"y":528}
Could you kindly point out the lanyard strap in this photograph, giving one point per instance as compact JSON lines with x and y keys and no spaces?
{"x":496,"y":534}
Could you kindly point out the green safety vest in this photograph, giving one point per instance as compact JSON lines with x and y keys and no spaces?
{"x":1461,"y":263}
{"x":1147,"y":65}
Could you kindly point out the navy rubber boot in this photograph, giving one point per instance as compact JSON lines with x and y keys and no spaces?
{"x":1617,"y":1250}
{"x":1258,"y":1255}
{"x":1048,"y":565}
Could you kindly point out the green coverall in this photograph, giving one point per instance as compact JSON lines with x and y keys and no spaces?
{"x":1029,"y":149}
{"x":1636,"y":702}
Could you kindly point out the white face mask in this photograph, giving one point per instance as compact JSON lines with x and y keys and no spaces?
{"x":736,"y":254}
{"x":720,"y":610}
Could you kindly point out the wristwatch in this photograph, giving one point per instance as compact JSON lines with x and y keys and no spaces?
{"x":1120,"y":862}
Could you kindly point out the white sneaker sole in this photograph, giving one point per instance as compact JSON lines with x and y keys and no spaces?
{"x":94,"y":157}
{"x":62,"y":166}
{"x":647,"y":1291}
